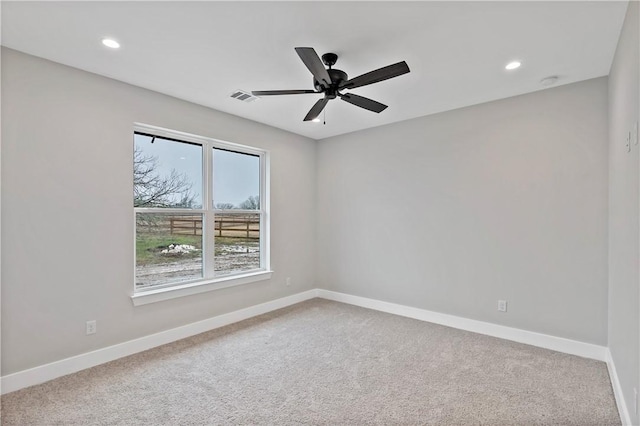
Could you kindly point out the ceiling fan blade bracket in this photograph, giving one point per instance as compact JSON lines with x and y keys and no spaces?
{"x":330,"y":81}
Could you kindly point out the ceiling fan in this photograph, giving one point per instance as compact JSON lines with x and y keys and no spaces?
{"x":331,"y":81}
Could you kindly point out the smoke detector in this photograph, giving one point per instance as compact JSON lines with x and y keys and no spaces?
{"x":549,"y":81}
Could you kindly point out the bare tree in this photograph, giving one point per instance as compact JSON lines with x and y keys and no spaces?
{"x":225,"y":206}
{"x":152,"y":189}
{"x":251,"y":203}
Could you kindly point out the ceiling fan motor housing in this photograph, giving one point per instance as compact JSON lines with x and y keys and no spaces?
{"x":337,"y":77}
{"x":330,"y":81}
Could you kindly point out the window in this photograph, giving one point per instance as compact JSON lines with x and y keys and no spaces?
{"x":200,"y":210}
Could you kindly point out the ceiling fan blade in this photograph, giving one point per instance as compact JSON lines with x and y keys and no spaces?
{"x":375,"y":76}
{"x":315,"y":65}
{"x":316,"y":109}
{"x":363,"y":102}
{"x":280,"y":92}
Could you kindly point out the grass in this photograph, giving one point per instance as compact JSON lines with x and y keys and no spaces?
{"x":149,"y":246}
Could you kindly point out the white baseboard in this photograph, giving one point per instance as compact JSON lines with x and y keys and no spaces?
{"x":560,"y":344}
{"x":625,"y":417}
{"x":43,"y":373}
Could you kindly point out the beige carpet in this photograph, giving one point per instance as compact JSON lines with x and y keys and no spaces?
{"x":322,"y":362}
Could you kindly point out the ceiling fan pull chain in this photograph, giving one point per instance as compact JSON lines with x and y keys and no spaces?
{"x":330,"y":81}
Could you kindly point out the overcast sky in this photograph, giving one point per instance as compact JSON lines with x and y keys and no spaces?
{"x":236,"y":176}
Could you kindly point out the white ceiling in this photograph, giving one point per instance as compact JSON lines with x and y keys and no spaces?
{"x":202,"y":51}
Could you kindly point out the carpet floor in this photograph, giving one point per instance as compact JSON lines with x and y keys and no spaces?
{"x":327,"y":363}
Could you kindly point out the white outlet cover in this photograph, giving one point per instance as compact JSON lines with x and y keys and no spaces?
{"x":91,"y":327}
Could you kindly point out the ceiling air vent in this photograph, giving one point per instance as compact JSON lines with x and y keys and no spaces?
{"x":243,"y":96}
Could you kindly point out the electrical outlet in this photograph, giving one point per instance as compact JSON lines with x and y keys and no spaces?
{"x":288,"y":281}
{"x":628,"y":142}
{"x":91,"y":327}
{"x":502,"y":305}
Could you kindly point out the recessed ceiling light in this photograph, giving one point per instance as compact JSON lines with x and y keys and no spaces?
{"x":109,"y":42}
{"x":316,"y":120}
{"x":513,"y":65}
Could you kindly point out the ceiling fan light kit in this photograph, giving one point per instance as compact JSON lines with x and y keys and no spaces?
{"x":330,"y":81}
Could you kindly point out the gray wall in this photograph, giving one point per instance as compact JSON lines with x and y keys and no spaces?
{"x":451,"y":212}
{"x":624,"y":211}
{"x":67,"y":216}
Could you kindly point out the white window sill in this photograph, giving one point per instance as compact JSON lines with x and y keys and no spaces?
{"x":166,"y":293}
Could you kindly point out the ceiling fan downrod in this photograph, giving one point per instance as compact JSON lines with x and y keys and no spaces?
{"x":330,"y":81}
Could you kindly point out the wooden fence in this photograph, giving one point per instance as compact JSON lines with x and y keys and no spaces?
{"x":231,"y":226}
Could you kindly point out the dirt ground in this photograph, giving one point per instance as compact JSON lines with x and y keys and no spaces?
{"x":190,"y":269}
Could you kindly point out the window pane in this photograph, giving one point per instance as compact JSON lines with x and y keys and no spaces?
{"x":166,"y":173}
{"x":237,"y":242}
{"x":168,"y":248}
{"x":236,"y":180}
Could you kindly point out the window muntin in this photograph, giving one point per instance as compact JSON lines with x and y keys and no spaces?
{"x":177,"y":240}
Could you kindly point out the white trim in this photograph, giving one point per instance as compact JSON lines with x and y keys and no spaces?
{"x":43,"y":373}
{"x":208,"y":211}
{"x":143,"y":297}
{"x":625,"y":417}
{"x":40,"y":374}
{"x":560,"y":344}
{"x":190,"y":137}
{"x":265,"y":208}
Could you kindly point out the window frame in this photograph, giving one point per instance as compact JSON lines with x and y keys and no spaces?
{"x":209,"y":280}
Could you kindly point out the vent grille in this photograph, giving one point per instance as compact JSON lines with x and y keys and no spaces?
{"x":243,"y":96}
